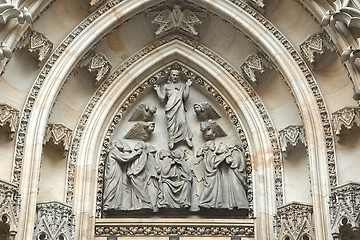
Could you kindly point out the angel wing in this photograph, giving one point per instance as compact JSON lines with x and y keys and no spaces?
{"x":205,"y":111}
{"x":188,"y":20}
{"x":219,"y":132}
{"x":141,"y":131}
{"x":143,"y":112}
{"x":165,"y":20}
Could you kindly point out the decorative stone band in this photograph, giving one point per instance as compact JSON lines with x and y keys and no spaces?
{"x":293,"y":220}
{"x":347,"y":117}
{"x":345,"y":210}
{"x":58,"y":134}
{"x":54,"y":220}
{"x":174,"y":226}
{"x":9,"y":205}
{"x":9,"y":117}
{"x":291,"y":136}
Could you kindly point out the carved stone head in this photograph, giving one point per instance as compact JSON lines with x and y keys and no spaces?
{"x":174,"y":76}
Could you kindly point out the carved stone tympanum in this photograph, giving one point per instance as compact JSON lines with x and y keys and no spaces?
{"x":211,"y":130}
{"x":291,"y":136}
{"x":98,"y":65}
{"x":54,"y":221}
{"x":254,"y":66}
{"x":59,"y":135}
{"x":9,"y":117}
{"x":36,"y":42}
{"x":345,"y":118}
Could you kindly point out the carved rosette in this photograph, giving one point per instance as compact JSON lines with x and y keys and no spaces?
{"x":254,"y":66}
{"x":294,"y":221}
{"x":9,"y":11}
{"x":36,"y":42}
{"x":291,"y":136}
{"x":59,"y":135}
{"x":345,"y":210}
{"x":9,"y":206}
{"x":345,"y":118}
{"x":54,"y":220}
{"x":317,"y":49}
{"x":9,"y":117}
{"x":98,"y":65}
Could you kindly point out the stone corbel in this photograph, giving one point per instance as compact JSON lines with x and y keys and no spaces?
{"x":9,"y":205}
{"x":293,"y":221}
{"x":55,"y":220}
{"x":98,"y":65}
{"x":347,"y":117}
{"x":318,"y":50}
{"x":36,"y":42}
{"x":345,"y":211}
{"x":291,"y":136}
{"x":59,"y":135}
{"x":254,"y":67}
{"x":9,"y":117}
{"x":8,"y":11}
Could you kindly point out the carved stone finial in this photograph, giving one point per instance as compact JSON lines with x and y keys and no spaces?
{"x":9,"y":204}
{"x":36,"y":42}
{"x":347,"y":117}
{"x":55,"y":220}
{"x":9,"y":116}
{"x":176,"y":19}
{"x":58,"y":134}
{"x":254,"y":66}
{"x":294,"y":221}
{"x":141,"y":131}
{"x":204,"y":111}
{"x":291,"y":135}
{"x":345,"y":210}
{"x":318,"y":50}
{"x":5,"y":52}
{"x":143,"y":112}
{"x":8,"y":10}
{"x":98,"y":65}
{"x":211,"y":130}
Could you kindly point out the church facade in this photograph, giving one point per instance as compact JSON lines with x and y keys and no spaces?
{"x":179,"y":119}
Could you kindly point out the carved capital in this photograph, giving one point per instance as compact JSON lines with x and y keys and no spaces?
{"x":54,"y":220}
{"x":318,"y":49}
{"x":36,"y":42}
{"x":8,"y":11}
{"x":59,"y":135}
{"x":9,"y":206}
{"x":98,"y":65}
{"x":291,"y":136}
{"x":9,"y":117}
{"x":294,"y":221}
{"x":345,"y":209}
{"x":254,"y":66}
{"x":345,"y":118}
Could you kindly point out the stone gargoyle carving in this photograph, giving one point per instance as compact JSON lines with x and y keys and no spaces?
{"x":204,"y":111}
{"x":143,"y":112}
{"x":141,"y":131}
{"x":211,"y":130}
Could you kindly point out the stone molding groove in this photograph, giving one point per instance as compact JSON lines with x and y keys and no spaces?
{"x":40,"y":80}
{"x":291,"y":136}
{"x":9,"y":117}
{"x":345,"y":118}
{"x":294,"y":221}
{"x":54,"y":221}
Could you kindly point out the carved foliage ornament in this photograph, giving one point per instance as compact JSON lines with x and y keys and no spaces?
{"x":38,"y":43}
{"x":98,"y":65}
{"x":343,"y":13}
{"x":291,"y":136}
{"x":54,"y":221}
{"x":8,"y":10}
{"x":293,"y":221}
{"x":9,"y":117}
{"x":59,"y":135}
{"x":347,"y":117}
{"x":255,"y":65}
{"x":9,"y":205}
{"x":345,"y":211}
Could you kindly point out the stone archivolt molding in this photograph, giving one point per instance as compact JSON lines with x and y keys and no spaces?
{"x":294,"y":221}
{"x":345,"y":211}
{"x":254,"y":66}
{"x":9,"y":205}
{"x":291,"y":136}
{"x":44,"y":73}
{"x":9,"y":117}
{"x":54,"y":221}
{"x":98,"y":65}
{"x":9,"y":10}
{"x":317,"y":49}
{"x":345,"y":118}
{"x":59,"y":135}
{"x":36,"y":42}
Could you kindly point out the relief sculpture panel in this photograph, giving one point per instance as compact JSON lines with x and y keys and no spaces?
{"x":188,"y":164}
